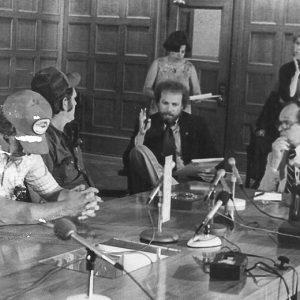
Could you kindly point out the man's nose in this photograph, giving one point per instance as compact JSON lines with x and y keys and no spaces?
{"x":170,"y":108}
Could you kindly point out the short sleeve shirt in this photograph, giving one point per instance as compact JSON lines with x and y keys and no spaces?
{"x":29,"y":168}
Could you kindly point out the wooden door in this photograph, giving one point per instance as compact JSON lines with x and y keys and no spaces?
{"x":262,"y":42}
{"x":209,"y":25}
{"x":111,"y":43}
{"x":30,"y":39}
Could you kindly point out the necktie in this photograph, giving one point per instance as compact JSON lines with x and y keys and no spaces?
{"x":168,"y":146}
{"x":290,"y":179}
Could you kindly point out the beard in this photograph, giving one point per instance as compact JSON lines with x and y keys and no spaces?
{"x":169,"y":119}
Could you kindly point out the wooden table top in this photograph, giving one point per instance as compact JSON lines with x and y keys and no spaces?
{"x":177,"y":277}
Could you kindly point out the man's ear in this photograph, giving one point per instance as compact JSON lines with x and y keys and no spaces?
{"x":65,"y":104}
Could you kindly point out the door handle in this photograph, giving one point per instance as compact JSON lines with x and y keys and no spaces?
{"x":222,"y":92}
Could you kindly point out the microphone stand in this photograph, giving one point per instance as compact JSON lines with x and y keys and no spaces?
{"x":234,"y":203}
{"x":233,"y":180}
{"x":205,"y":239}
{"x":156,"y":235}
{"x":90,"y":267}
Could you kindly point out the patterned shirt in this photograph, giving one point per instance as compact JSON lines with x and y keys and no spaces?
{"x":29,"y":168}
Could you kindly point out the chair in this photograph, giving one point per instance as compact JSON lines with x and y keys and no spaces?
{"x":257,"y":153}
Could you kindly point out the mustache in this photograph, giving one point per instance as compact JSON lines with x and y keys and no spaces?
{"x":167,"y":115}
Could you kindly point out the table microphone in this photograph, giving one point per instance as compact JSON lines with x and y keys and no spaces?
{"x":231,"y":162}
{"x":155,"y":190}
{"x":222,"y":199}
{"x":220,"y":173}
{"x":66,"y":229}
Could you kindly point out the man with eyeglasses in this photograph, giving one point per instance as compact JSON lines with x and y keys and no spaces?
{"x":283,"y":163}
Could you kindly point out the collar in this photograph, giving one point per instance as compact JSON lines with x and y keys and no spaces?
{"x":296,"y":160}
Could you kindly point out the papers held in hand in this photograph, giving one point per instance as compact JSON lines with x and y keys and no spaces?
{"x":201,"y":97}
{"x":196,"y":166}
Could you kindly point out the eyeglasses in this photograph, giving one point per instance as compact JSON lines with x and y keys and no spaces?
{"x":285,"y":125}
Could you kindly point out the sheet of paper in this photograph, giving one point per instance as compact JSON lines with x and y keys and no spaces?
{"x":203,"y":97}
{"x":197,"y":166}
{"x":207,"y":160}
{"x":166,"y":205}
{"x":267,"y":196}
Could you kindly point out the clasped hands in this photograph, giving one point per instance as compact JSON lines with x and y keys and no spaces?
{"x":90,"y":201}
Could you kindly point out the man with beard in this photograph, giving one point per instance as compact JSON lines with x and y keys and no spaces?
{"x":170,"y":131}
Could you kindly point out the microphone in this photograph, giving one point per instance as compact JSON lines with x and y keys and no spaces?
{"x":222,"y":199}
{"x":235,"y":172}
{"x":155,"y":190}
{"x":220,"y":173}
{"x":66,"y":229}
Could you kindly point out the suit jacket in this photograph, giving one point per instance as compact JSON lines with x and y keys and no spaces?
{"x":196,"y":141}
{"x":286,"y":72}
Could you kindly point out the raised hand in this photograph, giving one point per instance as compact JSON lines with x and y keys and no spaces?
{"x":297,"y":71}
{"x":144,"y":122}
{"x":278,"y":149}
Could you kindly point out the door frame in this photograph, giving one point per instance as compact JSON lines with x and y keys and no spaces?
{"x":224,"y":77}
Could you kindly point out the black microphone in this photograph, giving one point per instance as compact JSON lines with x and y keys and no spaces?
{"x":231,"y":162}
{"x":155,"y":190}
{"x":222,"y":199}
{"x":66,"y":229}
{"x":220,"y":173}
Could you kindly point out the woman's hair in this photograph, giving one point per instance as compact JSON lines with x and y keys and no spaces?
{"x":171,"y":86}
{"x":175,"y":40}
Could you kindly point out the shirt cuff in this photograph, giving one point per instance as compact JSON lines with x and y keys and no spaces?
{"x":139,"y":139}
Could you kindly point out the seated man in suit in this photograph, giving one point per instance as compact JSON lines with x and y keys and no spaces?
{"x":24,"y":119}
{"x":170,"y":131}
{"x":282,"y":170}
{"x":64,"y":159}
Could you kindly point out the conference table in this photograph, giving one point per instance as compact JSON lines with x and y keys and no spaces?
{"x":24,"y":249}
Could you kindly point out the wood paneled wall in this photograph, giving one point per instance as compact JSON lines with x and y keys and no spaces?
{"x":111,"y":43}
{"x":262,"y":42}
{"x":30,"y":39}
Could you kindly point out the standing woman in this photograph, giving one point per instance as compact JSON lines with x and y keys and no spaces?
{"x":289,"y":84}
{"x":172,"y":67}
